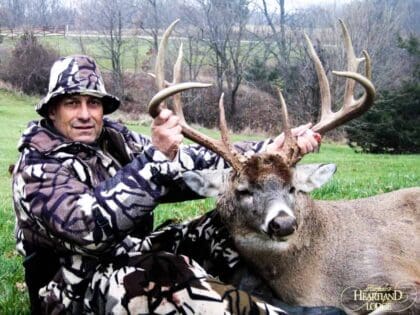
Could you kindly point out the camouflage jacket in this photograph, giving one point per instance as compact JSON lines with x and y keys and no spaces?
{"x":87,"y":204}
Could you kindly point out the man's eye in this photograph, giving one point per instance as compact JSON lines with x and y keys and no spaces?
{"x":71,"y":103}
{"x":95,"y":103}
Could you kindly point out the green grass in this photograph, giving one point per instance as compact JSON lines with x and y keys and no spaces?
{"x":15,"y":111}
{"x":132,"y":49}
{"x":358,"y":175}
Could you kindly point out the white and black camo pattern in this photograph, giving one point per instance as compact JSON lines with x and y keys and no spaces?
{"x":77,"y":201}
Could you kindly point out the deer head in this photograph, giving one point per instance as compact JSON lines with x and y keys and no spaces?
{"x":258,"y":195}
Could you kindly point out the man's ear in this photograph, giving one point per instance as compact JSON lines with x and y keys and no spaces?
{"x":51,"y":111}
{"x":207,"y":183}
{"x":308,"y":177}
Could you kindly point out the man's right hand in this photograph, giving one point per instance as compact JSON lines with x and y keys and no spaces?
{"x":166,"y":133}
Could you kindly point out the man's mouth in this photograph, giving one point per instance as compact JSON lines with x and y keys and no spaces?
{"x":83,"y":127}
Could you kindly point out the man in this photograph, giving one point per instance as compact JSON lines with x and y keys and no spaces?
{"x":84,"y":192}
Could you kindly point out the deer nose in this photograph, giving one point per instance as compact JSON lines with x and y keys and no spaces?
{"x":282,"y":225}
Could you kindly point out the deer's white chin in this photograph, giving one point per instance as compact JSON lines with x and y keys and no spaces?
{"x":261,"y":242}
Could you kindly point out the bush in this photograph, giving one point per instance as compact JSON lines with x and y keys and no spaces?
{"x":259,"y":72}
{"x":392,"y":125}
{"x":29,"y":66}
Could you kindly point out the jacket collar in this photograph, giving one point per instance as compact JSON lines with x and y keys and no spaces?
{"x":43,"y":137}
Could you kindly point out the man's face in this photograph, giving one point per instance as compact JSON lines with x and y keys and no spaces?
{"x":78,"y":117}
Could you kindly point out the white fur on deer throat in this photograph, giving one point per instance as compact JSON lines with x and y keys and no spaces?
{"x":257,"y":242}
{"x":273,"y":211}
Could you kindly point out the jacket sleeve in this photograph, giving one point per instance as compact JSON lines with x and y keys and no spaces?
{"x":204,"y":158}
{"x":52,"y":197}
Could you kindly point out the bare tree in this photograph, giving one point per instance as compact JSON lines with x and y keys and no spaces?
{"x":152,"y":16}
{"x":278,"y":37}
{"x":35,"y":13}
{"x":284,"y":48}
{"x":221,"y":25}
{"x":109,"y":18}
{"x":149,"y":19}
{"x":377,"y":25}
{"x":14,"y":13}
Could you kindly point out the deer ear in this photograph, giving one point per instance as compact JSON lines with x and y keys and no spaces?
{"x":207,"y":183}
{"x":308,"y":177}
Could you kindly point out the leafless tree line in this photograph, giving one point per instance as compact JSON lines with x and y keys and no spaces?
{"x":240,"y":45}
{"x":35,"y":13}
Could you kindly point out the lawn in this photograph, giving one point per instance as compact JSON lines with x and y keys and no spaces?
{"x":358,"y":175}
{"x":134,"y":50}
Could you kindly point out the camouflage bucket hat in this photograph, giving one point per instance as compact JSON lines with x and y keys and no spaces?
{"x":76,"y":74}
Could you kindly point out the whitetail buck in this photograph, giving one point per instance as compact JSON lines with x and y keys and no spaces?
{"x":359,"y":255}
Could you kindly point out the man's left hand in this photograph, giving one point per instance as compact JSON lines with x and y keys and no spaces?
{"x":307,"y":140}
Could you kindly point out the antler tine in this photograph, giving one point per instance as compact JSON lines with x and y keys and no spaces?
{"x":156,"y":101}
{"x":177,"y":79}
{"x":285,"y":115}
{"x":160,"y":58}
{"x":368,"y":65}
{"x":324,"y":86}
{"x":224,"y":132}
{"x":231,"y":156}
{"x":351,"y":108}
{"x":352,"y":64}
{"x":290,"y":152}
{"x":222,"y":147}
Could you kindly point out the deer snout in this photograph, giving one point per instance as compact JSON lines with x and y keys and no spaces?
{"x":282,"y":225}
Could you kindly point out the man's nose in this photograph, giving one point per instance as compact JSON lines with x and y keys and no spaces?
{"x":84,"y":112}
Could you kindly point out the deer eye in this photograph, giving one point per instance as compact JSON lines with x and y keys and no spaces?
{"x":292,"y":190}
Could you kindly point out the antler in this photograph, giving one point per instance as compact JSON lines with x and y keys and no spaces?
{"x":221,"y":147}
{"x":290,"y":152}
{"x":351,"y":108}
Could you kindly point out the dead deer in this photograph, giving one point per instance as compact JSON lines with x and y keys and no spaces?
{"x":359,"y":255}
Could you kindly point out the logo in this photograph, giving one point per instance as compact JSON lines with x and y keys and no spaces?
{"x":383,"y":298}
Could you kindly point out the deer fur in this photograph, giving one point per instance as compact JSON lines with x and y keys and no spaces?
{"x":334,"y":245}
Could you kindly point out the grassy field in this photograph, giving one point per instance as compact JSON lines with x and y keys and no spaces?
{"x":133,"y":51}
{"x":358,"y":175}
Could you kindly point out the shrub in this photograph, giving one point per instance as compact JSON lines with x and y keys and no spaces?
{"x":392,"y":125}
{"x":259,"y":72}
{"x":29,"y":65}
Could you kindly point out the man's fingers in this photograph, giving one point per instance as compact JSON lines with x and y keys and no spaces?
{"x":162,"y":117}
{"x":313,"y":141}
{"x":300,"y":130}
{"x":304,"y":145}
{"x":172,"y":122}
{"x":301,"y":145}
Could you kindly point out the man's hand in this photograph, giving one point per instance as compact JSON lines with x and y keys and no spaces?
{"x":166,"y":133}
{"x":307,"y":140}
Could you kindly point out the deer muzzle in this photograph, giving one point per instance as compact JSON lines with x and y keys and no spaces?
{"x":282,"y":225}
